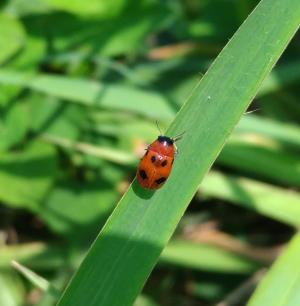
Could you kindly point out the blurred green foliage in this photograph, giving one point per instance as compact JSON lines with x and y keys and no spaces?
{"x":81,"y":85}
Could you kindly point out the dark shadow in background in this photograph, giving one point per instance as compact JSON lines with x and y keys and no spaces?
{"x":30,"y":168}
{"x":74,"y":31}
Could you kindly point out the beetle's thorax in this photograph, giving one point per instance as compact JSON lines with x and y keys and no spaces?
{"x":163,"y":146}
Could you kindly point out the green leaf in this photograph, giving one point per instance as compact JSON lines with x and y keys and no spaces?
{"x":274,"y":164}
{"x":51,"y":116}
{"x":8,"y":93}
{"x":37,"y":255}
{"x":35,"y":279}
{"x":91,"y":93}
{"x":130,"y":243}
{"x":12,"y":289}
{"x":12,"y":37}
{"x":268,"y":200}
{"x":93,"y":7}
{"x":205,"y":258}
{"x":143,"y":300}
{"x":109,"y":154}
{"x":280,"y":287}
{"x":26,"y":176}
{"x":126,"y":128}
{"x":91,"y":34}
{"x":23,"y":7}
{"x":77,"y":209}
{"x":285,"y":133}
{"x":31,"y":56}
{"x":15,"y":124}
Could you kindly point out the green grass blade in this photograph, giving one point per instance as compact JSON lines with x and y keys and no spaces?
{"x":92,"y":93}
{"x":280,"y":287}
{"x":283,"y":132}
{"x":274,"y":164}
{"x":12,"y":289}
{"x":36,"y":255}
{"x":123,"y":255}
{"x":206,"y":258}
{"x":119,"y":157}
{"x":35,"y":279}
{"x":12,"y":37}
{"x":268,"y":200}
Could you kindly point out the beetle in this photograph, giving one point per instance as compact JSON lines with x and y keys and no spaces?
{"x":156,"y":164}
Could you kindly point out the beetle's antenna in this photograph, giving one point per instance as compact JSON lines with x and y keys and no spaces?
{"x":178,"y":137}
{"x":158,"y":127}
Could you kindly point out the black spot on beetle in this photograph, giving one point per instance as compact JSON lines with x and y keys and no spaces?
{"x":143,"y":174}
{"x":153,"y":159}
{"x":160,"y":180}
{"x":164,"y":163}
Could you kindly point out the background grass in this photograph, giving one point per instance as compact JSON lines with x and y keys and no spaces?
{"x":78,"y":104}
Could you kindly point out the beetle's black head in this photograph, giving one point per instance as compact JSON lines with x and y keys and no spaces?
{"x":165,"y":139}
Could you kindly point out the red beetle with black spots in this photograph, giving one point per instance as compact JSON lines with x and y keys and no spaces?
{"x":156,"y":165}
